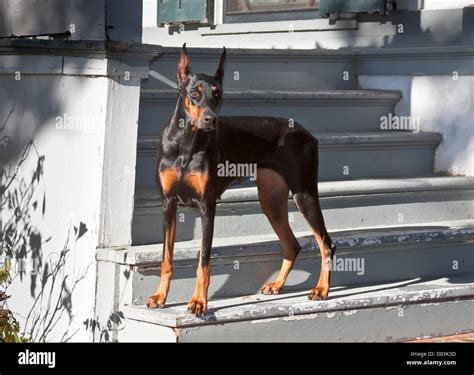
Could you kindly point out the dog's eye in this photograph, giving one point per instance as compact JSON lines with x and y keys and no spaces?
{"x":216,"y":94}
{"x":194,"y":93}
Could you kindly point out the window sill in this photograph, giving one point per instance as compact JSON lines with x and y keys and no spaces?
{"x":280,"y":26}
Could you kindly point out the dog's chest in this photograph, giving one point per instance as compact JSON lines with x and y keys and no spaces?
{"x":185,"y":183}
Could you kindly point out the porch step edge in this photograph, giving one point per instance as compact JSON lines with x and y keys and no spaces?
{"x":149,"y":197}
{"x":263,"y":245}
{"x":296,"y":305}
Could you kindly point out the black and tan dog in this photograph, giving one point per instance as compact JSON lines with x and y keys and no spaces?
{"x":195,"y":141}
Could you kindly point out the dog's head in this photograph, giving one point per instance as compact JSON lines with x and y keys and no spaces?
{"x":200,"y":93}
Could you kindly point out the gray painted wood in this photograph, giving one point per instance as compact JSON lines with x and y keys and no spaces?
{"x":73,"y":19}
{"x":421,"y":28}
{"x":136,"y":331}
{"x":264,"y":70}
{"x":379,"y":324}
{"x":294,"y":305}
{"x":10,"y":64}
{"x":27,"y":18}
{"x":241,"y":265}
{"x":87,"y":58}
{"x":116,"y":210}
{"x":341,"y":212}
{"x":391,"y":154}
{"x":150,"y":197}
{"x":318,"y":111}
{"x":319,"y":69}
{"x":435,"y":60}
{"x":124,"y":20}
{"x":346,"y":240}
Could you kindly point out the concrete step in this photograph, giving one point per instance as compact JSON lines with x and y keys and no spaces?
{"x":241,"y":265}
{"x":318,"y":111}
{"x":346,"y":204}
{"x":261,"y":69}
{"x":343,"y":156}
{"x":400,"y":311}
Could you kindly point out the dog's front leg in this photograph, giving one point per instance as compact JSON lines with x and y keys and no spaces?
{"x":198,"y":303}
{"x":169,"y":234}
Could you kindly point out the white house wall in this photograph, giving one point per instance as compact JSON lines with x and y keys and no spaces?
{"x":441,"y":20}
{"x":446,"y":4}
{"x":443,"y":104}
{"x":66,"y":196}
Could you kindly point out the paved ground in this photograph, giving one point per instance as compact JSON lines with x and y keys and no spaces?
{"x":465,"y":338}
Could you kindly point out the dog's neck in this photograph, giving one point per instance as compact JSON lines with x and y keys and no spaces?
{"x":187,"y":138}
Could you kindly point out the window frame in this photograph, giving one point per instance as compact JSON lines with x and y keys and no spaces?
{"x":206,"y":19}
{"x":268,"y":15}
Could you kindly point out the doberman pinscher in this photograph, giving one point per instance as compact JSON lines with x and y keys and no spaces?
{"x":195,"y":142}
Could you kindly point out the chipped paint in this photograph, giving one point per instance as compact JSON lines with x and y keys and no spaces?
{"x":265,"y":247}
{"x":259,"y":321}
{"x":274,"y":307}
{"x":254,"y":297}
{"x":371,"y":241}
{"x":300,"y":317}
{"x":350,"y":312}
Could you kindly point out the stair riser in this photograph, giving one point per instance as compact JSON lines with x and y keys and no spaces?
{"x":316,"y":117}
{"x":341,"y":162}
{"x":340,"y":213}
{"x":254,"y":72}
{"x":242,"y":275}
{"x":382,"y":324}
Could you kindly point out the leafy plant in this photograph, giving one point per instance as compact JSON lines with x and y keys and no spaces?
{"x":9,"y":326}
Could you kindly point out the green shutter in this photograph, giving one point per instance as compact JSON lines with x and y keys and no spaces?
{"x":352,"y":6}
{"x":181,"y":11}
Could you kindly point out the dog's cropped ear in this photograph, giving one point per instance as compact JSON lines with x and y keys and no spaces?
{"x":183,"y":66}
{"x":219,"y":76}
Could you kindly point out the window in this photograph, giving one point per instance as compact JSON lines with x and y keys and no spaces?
{"x":189,"y":11}
{"x":246,"y":6}
{"x":269,"y":10}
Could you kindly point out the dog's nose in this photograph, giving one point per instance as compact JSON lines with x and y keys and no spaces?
{"x":209,"y":119}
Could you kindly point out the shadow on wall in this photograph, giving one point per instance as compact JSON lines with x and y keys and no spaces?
{"x":33,"y":94}
{"x":50,"y":20}
{"x":21,"y":93}
{"x":405,"y":28}
{"x":43,"y":281}
{"x":51,"y":285}
{"x":72,"y":19}
{"x":50,"y":275}
{"x":44,"y":276}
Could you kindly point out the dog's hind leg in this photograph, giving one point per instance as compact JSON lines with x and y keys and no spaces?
{"x":305,"y":195}
{"x":308,"y":204}
{"x":273,"y":195}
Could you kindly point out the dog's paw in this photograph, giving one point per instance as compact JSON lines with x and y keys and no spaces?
{"x":156,"y":300}
{"x":319,"y":293}
{"x":197,"y":306}
{"x":271,"y":288}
